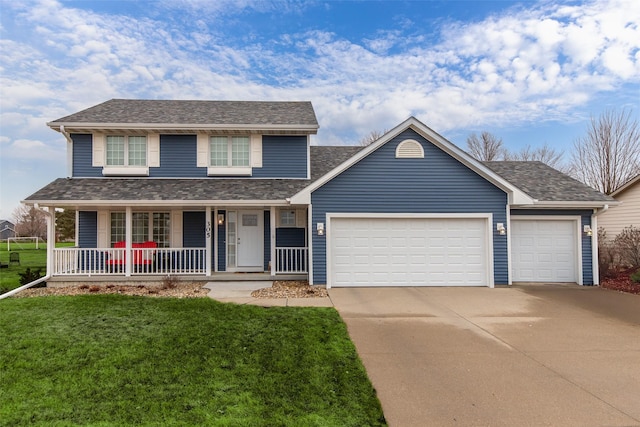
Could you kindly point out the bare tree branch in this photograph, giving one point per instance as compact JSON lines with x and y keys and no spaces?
{"x":609,"y":154}
{"x":544,"y":154}
{"x":486,"y":147}
{"x":30,"y":222}
{"x":371,"y":137}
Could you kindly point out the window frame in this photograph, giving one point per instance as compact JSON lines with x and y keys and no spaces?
{"x":288,"y":223}
{"x":126,"y":168}
{"x":153,"y":227}
{"x":232,"y":155}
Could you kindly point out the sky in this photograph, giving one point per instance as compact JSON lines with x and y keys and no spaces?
{"x":529,"y":72}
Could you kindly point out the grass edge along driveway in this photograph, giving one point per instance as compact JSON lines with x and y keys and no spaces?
{"x":117,"y":360}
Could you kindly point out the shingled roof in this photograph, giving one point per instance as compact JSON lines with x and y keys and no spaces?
{"x":323,"y":159}
{"x":544,"y":183}
{"x":177,"y":112}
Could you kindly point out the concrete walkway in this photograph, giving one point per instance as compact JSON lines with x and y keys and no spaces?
{"x":519,"y":356}
{"x":240,"y":293}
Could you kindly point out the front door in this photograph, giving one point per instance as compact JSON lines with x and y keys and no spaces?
{"x":250,"y":241}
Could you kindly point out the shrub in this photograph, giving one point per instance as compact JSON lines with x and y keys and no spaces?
{"x":29,"y":276}
{"x":607,"y":259}
{"x":169,"y":282}
{"x":635,"y":277}
{"x":627,"y":244}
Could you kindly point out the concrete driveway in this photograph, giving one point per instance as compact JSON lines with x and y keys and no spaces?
{"x":536,"y":355}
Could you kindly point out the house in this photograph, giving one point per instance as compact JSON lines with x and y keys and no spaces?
{"x":209,"y":189}
{"x":627,"y":214}
{"x":7,"y":229}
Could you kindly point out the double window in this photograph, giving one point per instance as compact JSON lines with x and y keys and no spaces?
{"x":126,"y":150}
{"x":145,"y":226}
{"x":229,"y":151}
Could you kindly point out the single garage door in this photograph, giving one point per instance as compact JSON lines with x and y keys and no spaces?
{"x":544,"y":250}
{"x":409,"y":252}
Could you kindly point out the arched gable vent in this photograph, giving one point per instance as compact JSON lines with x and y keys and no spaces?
{"x":409,"y":149}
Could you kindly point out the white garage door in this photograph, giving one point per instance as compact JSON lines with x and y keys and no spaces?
{"x":409,"y":252}
{"x":544,"y":250}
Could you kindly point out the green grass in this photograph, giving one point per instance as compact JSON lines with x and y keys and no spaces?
{"x":29,"y":258}
{"x":112,"y":360}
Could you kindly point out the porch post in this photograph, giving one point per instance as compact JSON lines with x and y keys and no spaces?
{"x":128,"y":237}
{"x":51,"y":238}
{"x":207,"y":243}
{"x":272,"y":225}
{"x":215,"y":240}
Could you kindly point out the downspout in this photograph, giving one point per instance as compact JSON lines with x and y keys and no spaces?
{"x":594,"y":243}
{"x":47,"y":276}
{"x":69,"y":150}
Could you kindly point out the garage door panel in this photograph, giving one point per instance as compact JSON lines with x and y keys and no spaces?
{"x":408,"y":251}
{"x":544,"y":250}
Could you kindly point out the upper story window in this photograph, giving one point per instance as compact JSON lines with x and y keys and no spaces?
{"x":230,"y":151}
{"x":126,"y":150}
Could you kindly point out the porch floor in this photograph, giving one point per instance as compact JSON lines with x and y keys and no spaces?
{"x":150,"y":278}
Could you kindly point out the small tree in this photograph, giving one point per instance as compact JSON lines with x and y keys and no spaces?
{"x":609,"y":154}
{"x":30,"y":222}
{"x":66,"y":224}
{"x":627,"y":243}
{"x":486,"y":147}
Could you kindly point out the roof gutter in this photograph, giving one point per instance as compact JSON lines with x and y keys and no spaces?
{"x":601,"y":210}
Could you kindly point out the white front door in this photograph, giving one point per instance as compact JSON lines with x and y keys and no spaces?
{"x":250,"y":242}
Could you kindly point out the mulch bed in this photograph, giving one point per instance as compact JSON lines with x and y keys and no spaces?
{"x":291,"y":289}
{"x":621,"y":282}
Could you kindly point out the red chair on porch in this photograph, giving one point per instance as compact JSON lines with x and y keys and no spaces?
{"x":139,"y":256}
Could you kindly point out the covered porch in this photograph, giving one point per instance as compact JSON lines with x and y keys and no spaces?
{"x":248,"y":242}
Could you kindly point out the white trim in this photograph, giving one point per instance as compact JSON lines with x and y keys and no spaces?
{"x":185,"y":126}
{"x":272,"y":239}
{"x":125,"y":171}
{"x":128,"y":237}
{"x":208,"y":235}
{"x":310,"y":246}
{"x":626,"y":186}
{"x":516,"y":196}
{"x":488,"y":217}
{"x":177,"y":221}
{"x":308,"y":156}
{"x":156,"y":203}
{"x":153,"y":150}
{"x":509,"y":260}
{"x":229,"y":170}
{"x":577,"y":219}
{"x":595,"y":266}
{"x":202,"y":150}
{"x":567,"y":205}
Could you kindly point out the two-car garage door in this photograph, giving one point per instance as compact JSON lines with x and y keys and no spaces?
{"x":414,"y":251}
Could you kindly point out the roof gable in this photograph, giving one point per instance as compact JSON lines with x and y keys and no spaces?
{"x":192,"y":114}
{"x":628,"y":185}
{"x":516,"y":196}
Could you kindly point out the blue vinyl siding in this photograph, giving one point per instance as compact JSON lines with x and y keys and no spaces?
{"x":290,"y":237}
{"x":87,"y":229}
{"x":83,"y":157}
{"x":283,"y":157}
{"x":585,"y":241}
{"x":267,"y":239}
{"x":222,"y":243}
{"x":178,"y":158}
{"x":193,"y":229}
{"x":380,"y":183}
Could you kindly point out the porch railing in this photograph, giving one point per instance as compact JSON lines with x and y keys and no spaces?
{"x":292,"y":260}
{"x":96,"y":261}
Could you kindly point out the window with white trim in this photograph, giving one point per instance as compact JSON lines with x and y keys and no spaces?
{"x":126,"y":151}
{"x":229,"y":151}
{"x":142,"y":229}
{"x":287,"y":218}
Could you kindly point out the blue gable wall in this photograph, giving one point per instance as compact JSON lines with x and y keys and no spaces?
{"x":178,"y":158}
{"x":82,"y":157}
{"x":586,"y":241}
{"x":435,"y":184}
{"x":283,"y":157}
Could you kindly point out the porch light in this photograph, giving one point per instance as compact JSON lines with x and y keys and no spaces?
{"x":320,"y":228}
{"x":587,"y":230}
{"x":220,"y":219}
{"x":500,"y":228}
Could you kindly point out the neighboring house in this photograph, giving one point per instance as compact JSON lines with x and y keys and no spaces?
{"x":209,"y":188}
{"x":625,"y":215}
{"x":7,"y":229}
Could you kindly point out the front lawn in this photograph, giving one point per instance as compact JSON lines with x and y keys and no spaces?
{"x":30,"y":257}
{"x":118,"y":360}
